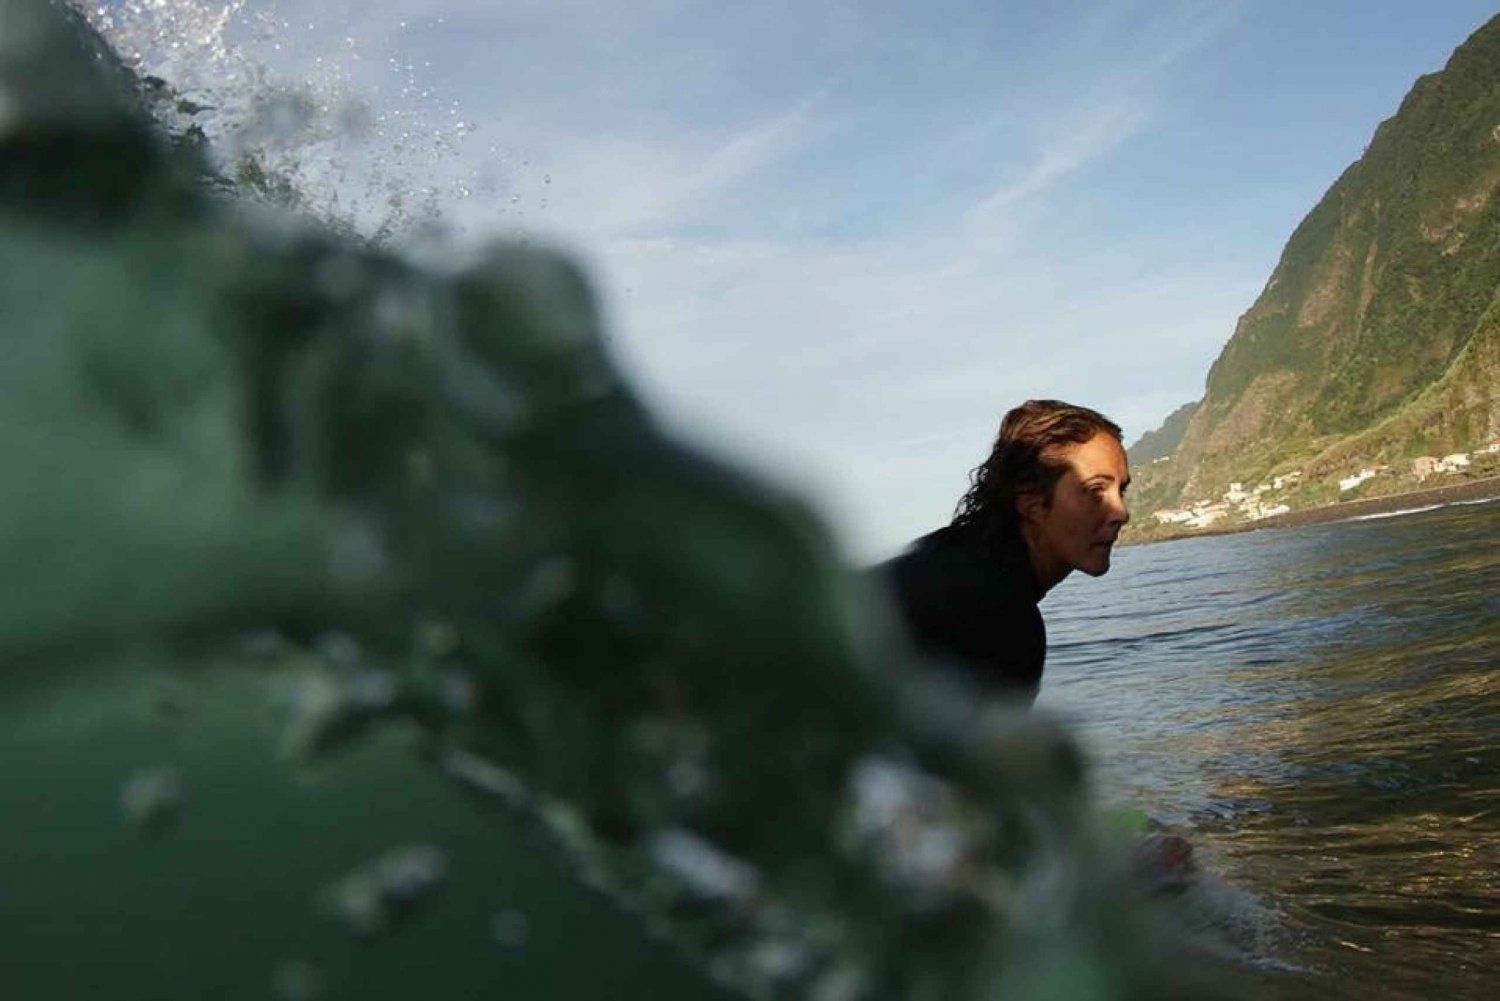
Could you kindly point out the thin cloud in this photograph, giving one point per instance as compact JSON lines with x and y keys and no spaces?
{"x":1071,"y":147}
{"x":657,"y":202}
{"x":1131,"y":51}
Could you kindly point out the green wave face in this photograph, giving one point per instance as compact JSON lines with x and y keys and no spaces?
{"x":364,"y":638}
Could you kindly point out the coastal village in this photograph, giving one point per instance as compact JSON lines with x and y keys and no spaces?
{"x":1245,"y":505}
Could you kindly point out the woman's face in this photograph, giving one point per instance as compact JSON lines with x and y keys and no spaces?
{"x":1075,"y":527}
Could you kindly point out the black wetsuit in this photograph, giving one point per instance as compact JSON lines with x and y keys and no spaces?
{"x":970,"y":602}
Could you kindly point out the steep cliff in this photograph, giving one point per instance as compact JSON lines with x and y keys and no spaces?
{"x":1377,"y":336}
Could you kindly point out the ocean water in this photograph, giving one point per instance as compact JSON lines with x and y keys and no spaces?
{"x":1318,"y":710}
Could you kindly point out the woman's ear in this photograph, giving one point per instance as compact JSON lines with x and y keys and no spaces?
{"x":1030,"y":505}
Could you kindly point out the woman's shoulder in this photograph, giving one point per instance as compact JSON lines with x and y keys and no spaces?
{"x":959,"y":555}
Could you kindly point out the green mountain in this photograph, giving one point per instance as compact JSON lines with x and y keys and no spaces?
{"x":1377,"y":337}
{"x":1161,"y":443}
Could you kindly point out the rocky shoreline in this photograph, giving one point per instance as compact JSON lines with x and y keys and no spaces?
{"x":1452,"y":493}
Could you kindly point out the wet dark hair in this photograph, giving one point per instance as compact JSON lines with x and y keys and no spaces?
{"x":1023,"y":461}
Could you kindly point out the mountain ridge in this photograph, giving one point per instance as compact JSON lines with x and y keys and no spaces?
{"x":1376,"y":338}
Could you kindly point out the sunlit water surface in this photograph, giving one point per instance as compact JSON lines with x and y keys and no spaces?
{"x":1319,"y":710}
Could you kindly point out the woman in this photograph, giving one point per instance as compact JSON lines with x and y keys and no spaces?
{"x":1050,"y":499}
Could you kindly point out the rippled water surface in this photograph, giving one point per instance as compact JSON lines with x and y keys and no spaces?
{"x":1319,"y":709}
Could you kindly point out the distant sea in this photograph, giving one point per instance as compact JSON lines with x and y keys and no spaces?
{"x":1318,"y":710}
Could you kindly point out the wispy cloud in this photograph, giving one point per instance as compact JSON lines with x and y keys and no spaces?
{"x":1090,"y":135}
{"x":1121,"y":57}
{"x":609,"y":187}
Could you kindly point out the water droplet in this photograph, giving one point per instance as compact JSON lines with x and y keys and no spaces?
{"x":438,"y":638}
{"x":370,"y":899}
{"x":151,"y":799}
{"x":407,"y":875}
{"x":371,"y":690}
{"x":296,"y":980}
{"x":327,"y":711}
{"x":845,"y":982}
{"x":909,"y":824}
{"x":686,"y":777}
{"x":510,"y":928}
{"x":355,"y":902}
{"x":706,"y":870}
{"x":778,"y":961}
{"x":358,"y":560}
{"x":339,"y":649}
{"x":551,"y":582}
{"x":458,"y":692}
{"x":487,"y":778}
{"x":265,"y":643}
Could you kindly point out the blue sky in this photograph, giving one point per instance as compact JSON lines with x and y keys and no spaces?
{"x":837,"y":240}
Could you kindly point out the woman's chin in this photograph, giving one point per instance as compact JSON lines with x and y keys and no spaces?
{"x":1096,"y":563}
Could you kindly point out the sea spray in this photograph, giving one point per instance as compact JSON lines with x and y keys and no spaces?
{"x":312,"y":142}
{"x":432,"y":589}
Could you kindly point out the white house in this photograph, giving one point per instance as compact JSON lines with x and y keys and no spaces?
{"x":1270,"y":512}
{"x":1452,"y":463}
{"x":1286,"y":479}
{"x":1206,"y":515}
